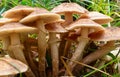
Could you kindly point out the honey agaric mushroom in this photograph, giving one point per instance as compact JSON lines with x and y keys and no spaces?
{"x":40,"y":18}
{"x":13,"y":30}
{"x":110,"y":35}
{"x":97,"y":17}
{"x":68,"y":9}
{"x":18,"y":12}
{"x":9,"y":67}
{"x":5,"y":40}
{"x":103,"y":50}
{"x":53,"y":29}
{"x":85,"y":25}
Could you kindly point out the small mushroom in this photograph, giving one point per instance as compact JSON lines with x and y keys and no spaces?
{"x":68,"y":9}
{"x":41,"y":17}
{"x":13,"y":30}
{"x":9,"y":67}
{"x":18,"y":12}
{"x":97,"y":17}
{"x":53,"y":29}
{"x":85,"y":25}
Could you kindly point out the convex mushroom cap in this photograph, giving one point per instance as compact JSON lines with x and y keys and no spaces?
{"x":6,"y":20}
{"x":110,"y":34}
{"x":41,"y":14}
{"x":10,"y":28}
{"x":9,"y":66}
{"x":69,"y":7}
{"x":97,"y":17}
{"x":85,"y":23}
{"x":55,"y":27}
{"x":18,"y":12}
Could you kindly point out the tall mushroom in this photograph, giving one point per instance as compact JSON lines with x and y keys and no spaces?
{"x":13,"y":30}
{"x":67,"y":9}
{"x":53,"y":29}
{"x":40,"y":18}
{"x":9,"y":66}
{"x":85,"y":25}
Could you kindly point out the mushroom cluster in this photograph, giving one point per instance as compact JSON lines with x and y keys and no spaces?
{"x":54,"y":37}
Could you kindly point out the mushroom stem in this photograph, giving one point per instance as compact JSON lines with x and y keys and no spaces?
{"x":54,"y":53}
{"x":68,"y":19}
{"x":65,"y":45}
{"x":27,"y":51}
{"x":17,"y":49}
{"x":95,"y":55}
{"x":99,"y":53}
{"x":6,"y":43}
{"x":42,"y":45}
{"x":15,"y":44}
{"x":15,"y":40}
{"x":80,"y":48}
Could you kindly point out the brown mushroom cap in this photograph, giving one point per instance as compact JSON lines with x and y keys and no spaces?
{"x":110,"y":34}
{"x":9,"y":66}
{"x":69,"y":7}
{"x":41,"y":14}
{"x":55,"y":27}
{"x":15,"y":28}
{"x":85,"y":23}
{"x":6,"y":20}
{"x":18,"y":12}
{"x":98,"y":17}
